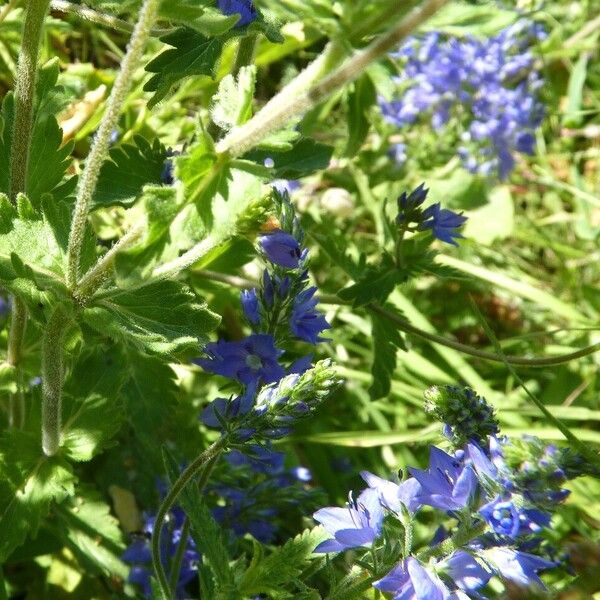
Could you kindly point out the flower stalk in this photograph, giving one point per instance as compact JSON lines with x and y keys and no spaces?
{"x":203,"y":464}
{"x":100,"y":146}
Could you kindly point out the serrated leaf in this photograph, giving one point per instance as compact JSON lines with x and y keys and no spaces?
{"x":386,"y":341}
{"x":92,"y":406}
{"x":48,"y":158}
{"x":267,"y":574}
{"x":192,"y":54}
{"x":232,"y":105}
{"x":163,"y":318}
{"x":305,"y":157}
{"x":88,"y":529}
{"x":130,"y":168}
{"x":375,"y":285}
{"x":206,"y":532}
{"x":29,"y":482}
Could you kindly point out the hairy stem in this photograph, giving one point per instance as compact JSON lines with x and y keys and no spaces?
{"x":277,"y":112}
{"x":100,"y":272}
{"x":203,"y":464}
{"x":25,"y":94}
{"x":19,"y":165}
{"x":52,"y":381}
{"x":99,"y":18}
{"x":99,"y":150}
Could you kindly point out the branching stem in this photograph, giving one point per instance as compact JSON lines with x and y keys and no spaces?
{"x":99,"y":150}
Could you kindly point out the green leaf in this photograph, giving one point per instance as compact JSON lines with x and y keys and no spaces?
{"x":574,"y":115}
{"x":163,"y":318}
{"x":29,"y":482}
{"x":305,"y":157}
{"x":232,"y":105}
{"x":386,"y":341}
{"x":93,"y":535}
{"x":268,"y":574}
{"x":192,"y":54}
{"x":360,"y":100}
{"x":92,"y":410}
{"x":493,"y":221}
{"x":131,"y":168}
{"x":48,"y":158}
{"x":376,"y":284}
{"x":207,"y":533}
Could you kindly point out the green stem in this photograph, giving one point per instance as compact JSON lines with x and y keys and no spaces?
{"x":52,"y":381}
{"x":284,"y":107}
{"x":25,"y":94}
{"x":203,"y":464}
{"x":245,"y":53}
{"x":463,"y":536}
{"x":99,"y":150}
{"x":185,"y":530}
{"x":178,"y":558}
{"x":99,"y":18}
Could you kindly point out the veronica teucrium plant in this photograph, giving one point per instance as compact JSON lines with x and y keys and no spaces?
{"x":199,"y":272}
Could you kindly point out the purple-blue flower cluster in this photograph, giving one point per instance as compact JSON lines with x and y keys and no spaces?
{"x":488,"y":88}
{"x":477,"y":487}
{"x":442,"y":222}
{"x":282,"y":310}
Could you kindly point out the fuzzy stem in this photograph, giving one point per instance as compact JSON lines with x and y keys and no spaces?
{"x":99,"y":150}
{"x":277,"y":112}
{"x":25,"y":94}
{"x":99,"y":273}
{"x":203,"y":463}
{"x":99,"y":18}
{"x":52,"y":381}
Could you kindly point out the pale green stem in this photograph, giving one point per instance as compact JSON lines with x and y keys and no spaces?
{"x":19,"y":165}
{"x":99,"y":18}
{"x":100,"y":272}
{"x":277,"y":113}
{"x":25,"y":94}
{"x":203,"y":464}
{"x":52,"y":381}
{"x":99,"y":150}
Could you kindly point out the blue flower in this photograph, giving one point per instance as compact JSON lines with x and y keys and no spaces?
{"x":408,"y":204}
{"x":250,"y":305}
{"x":502,"y":516}
{"x":466,"y":572}
{"x":409,"y":580}
{"x":520,"y":567}
{"x":244,"y":8}
{"x":393,"y":495}
{"x":282,"y":249}
{"x":447,"y":484}
{"x":443,"y":223}
{"x":139,"y":554}
{"x":357,"y":525}
{"x":248,"y":361}
{"x":306,"y":322}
